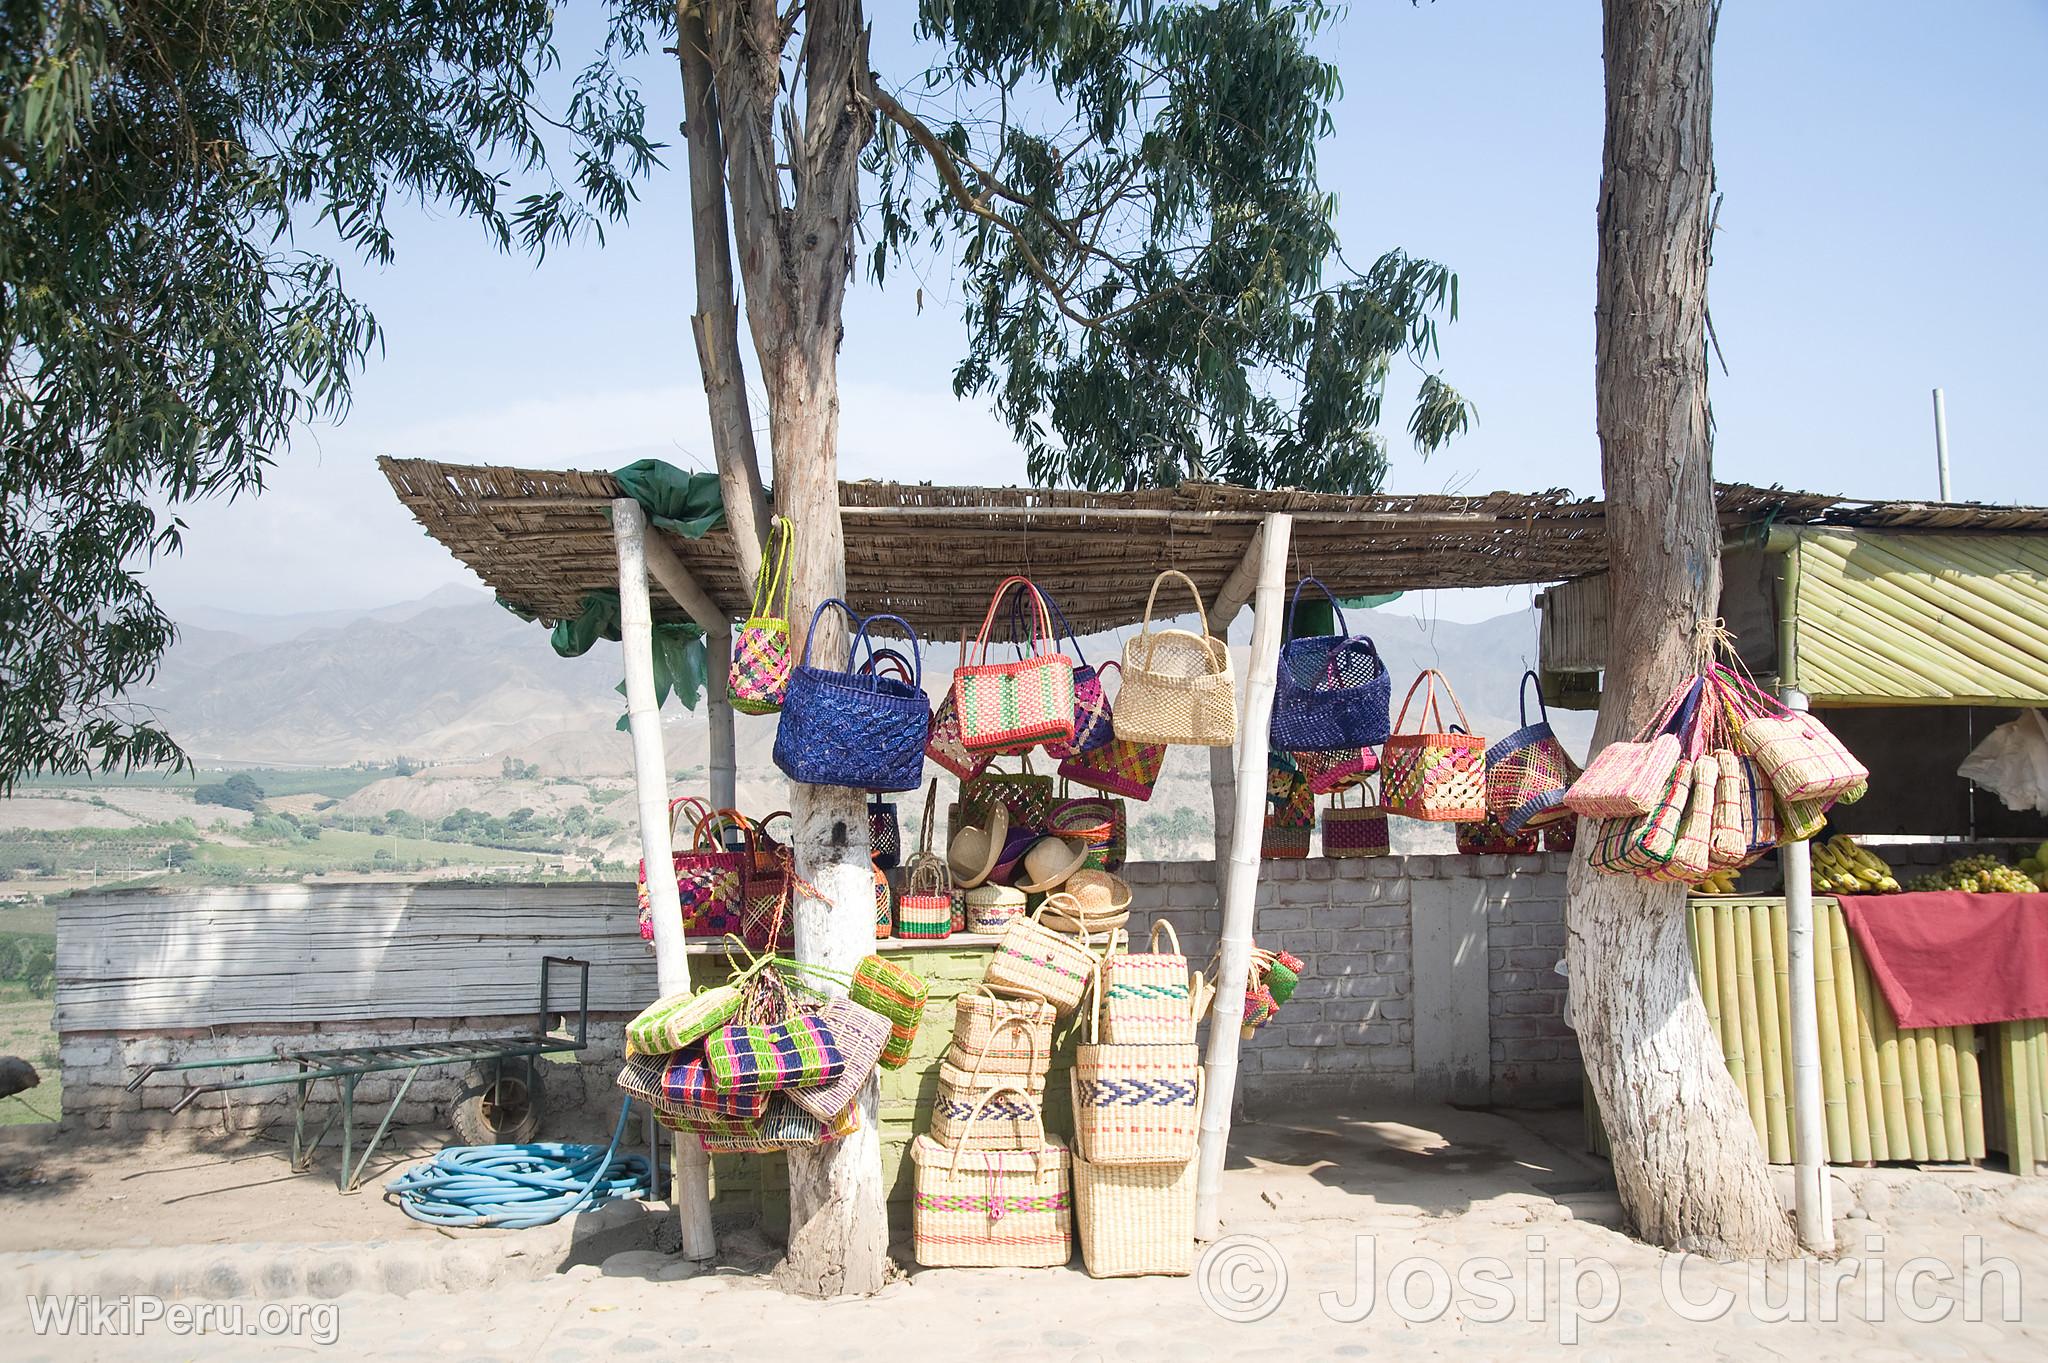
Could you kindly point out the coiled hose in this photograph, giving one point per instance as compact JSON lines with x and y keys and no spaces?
{"x":520,"y":1185}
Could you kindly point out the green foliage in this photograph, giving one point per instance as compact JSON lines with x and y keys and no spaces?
{"x":1154,"y":285}
{"x":161,"y":336}
{"x":239,"y":791}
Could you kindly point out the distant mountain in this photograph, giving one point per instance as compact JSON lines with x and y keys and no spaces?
{"x":454,"y":678}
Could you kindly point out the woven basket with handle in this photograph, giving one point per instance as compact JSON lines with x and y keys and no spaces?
{"x":1145,"y":994}
{"x":1135,"y":1104}
{"x":1034,"y":959}
{"x":992,"y":1208}
{"x":1435,"y":772}
{"x":1135,"y":1219}
{"x":1178,"y":687}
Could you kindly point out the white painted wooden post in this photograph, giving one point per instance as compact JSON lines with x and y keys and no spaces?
{"x":1812,"y":1215}
{"x":718,"y":719}
{"x":1240,"y":885}
{"x":650,"y":782}
{"x":1230,"y":599}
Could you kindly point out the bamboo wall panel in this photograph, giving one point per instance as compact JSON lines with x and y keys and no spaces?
{"x":131,"y":960}
{"x":1889,"y":1094}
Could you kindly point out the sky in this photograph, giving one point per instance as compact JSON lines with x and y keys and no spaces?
{"x":1885,"y":200}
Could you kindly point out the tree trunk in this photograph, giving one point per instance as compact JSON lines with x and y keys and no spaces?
{"x":838,"y":1227}
{"x":1687,"y":1163}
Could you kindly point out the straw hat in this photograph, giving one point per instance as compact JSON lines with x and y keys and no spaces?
{"x":1014,"y":847}
{"x":1064,"y":913}
{"x":1100,"y":892}
{"x":1049,"y":862}
{"x":972,"y":852}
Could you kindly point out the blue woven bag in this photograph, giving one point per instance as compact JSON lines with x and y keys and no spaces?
{"x":1333,"y":692}
{"x":854,"y":728}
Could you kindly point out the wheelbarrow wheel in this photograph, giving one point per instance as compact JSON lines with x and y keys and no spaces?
{"x":499,"y":1107}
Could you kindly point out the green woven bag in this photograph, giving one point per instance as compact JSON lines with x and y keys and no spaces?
{"x":674,"y":1022}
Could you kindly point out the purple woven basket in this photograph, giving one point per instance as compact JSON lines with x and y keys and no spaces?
{"x":1333,"y":690}
{"x":852,"y":728}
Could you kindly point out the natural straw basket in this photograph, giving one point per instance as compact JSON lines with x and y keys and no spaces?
{"x":1135,"y":1104}
{"x":1135,"y":1219}
{"x":992,"y":1208}
{"x":1033,"y":959}
{"x":1145,"y":994}
{"x":963,"y":1118}
{"x":1178,"y":687}
{"x":990,"y":1026}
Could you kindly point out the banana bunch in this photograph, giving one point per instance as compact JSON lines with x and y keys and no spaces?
{"x":1842,"y":867}
{"x":1717,"y":882}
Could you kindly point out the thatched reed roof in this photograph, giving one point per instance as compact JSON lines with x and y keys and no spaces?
{"x":542,"y":539}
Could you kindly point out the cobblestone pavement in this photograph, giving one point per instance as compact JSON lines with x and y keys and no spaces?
{"x":1465,"y":1257}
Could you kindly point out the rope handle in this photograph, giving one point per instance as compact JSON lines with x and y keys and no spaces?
{"x":879,"y":656}
{"x":730,"y":818}
{"x":1002,"y":1024}
{"x":1522,"y":698}
{"x":1152,"y":942}
{"x":1042,"y":640}
{"x":1294,"y":604}
{"x":675,"y":807}
{"x":1062,"y":630}
{"x":1431,"y":712}
{"x":777,"y":577}
{"x":974,"y":1115}
{"x":1148,"y":635}
{"x":860,"y":636}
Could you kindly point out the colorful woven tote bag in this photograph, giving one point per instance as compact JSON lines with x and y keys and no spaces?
{"x":1802,"y":757}
{"x":1630,"y":778}
{"x":1332,"y":769}
{"x":1178,"y":687}
{"x":925,"y":908}
{"x":1434,"y":772}
{"x":860,"y":1034}
{"x":758,"y":679}
{"x":1146,"y":994}
{"x":1528,"y":772}
{"x":944,"y":746}
{"x":1135,"y":1104}
{"x":1097,"y":821}
{"x":798,"y":1050}
{"x":898,"y":994}
{"x":1006,"y":707}
{"x":853,"y":728}
{"x":1487,"y":837}
{"x":1026,"y":795}
{"x":1092,"y":720}
{"x":711,"y":881}
{"x":673,"y":1022}
{"x":1333,"y":690}
{"x":992,"y":1208}
{"x":1355,"y":830}
{"x":682,"y":1082}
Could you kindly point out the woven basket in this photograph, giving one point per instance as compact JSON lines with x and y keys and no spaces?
{"x":860,"y":1033}
{"x":925,"y":908}
{"x":799,"y":1050}
{"x":961,"y":1116}
{"x":1033,"y":959}
{"x":992,"y":1208}
{"x":1355,"y":830}
{"x":1728,"y":843}
{"x":759,"y":676}
{"x":1178,"y":687}
{"x":1007,"y":1032}
{"x":1335,"y":769}
{"x":1528,"y":772}
{"x":1436,"y":773}
{"x":1098,"y":822}
{"x":1135,"y":1104}
{"x":1135,"y":1219}
{"x":850,"y":728}
{"x":1284,"y":842}
{"x":943,"y":744}
{"x":1007,"y":707}
{"x":1691,"y":852}
{"x":711,"y":881}
{"x":681,"y":1082}
{"x":1145,"y":995}
{"x":1640,"y":844}
{"x":992,"y":908}
{"x":1487,"y":837}
{"x":885,"y":834}
{"x":885,"y":906}
{"x":1802,"y":758}
{"x":671,"y":1023}
{"x":1332,"y":689}
{"x":1630,"y":778}
{"x":1026,"y":795}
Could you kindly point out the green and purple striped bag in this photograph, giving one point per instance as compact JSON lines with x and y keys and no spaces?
{"x":798,"y":1050}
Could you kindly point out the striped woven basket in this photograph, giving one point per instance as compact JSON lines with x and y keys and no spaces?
{"x":671,"y":1023}
{"x":861,"y":1034}
{"x":964,"y":1116}
{"x":992,"y":908}
{"x":925,"y":908}
{"x":1008,"y":1032}
{"x":1135,"y":1104}
{"x":898,"y":994}
{"x":682,"y":1082}
{"x":992,"y":1208}
{"x":1033,"y":959}
{"x":1436,"y":772}
{"x":1135,"y":1219}
{"x":796,"y":1051}
{"x":1145,"y":995}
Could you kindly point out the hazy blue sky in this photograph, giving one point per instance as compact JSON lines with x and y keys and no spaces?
{"x":1885,"y":208}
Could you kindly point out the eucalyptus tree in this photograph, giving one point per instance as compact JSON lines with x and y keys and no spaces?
{"x":162,"y":327}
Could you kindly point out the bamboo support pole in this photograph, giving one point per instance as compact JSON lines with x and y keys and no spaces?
{"x":1241,"y":884}
{"x":1811,"y":1193}
{"x":1920,"y":1113}
{"x":1706,"y":968}
{"x":650,"y":780}
{"x":1970,"y":1086}
{"x":1780,"y":951}
{"x":1747,"y":1021}
{"x":1231,"y":598}
{"x":1929,"y":1062}
{"x":1845,"y":1019}
{"x":1769,"y":1022}
{"x":2037,"y":1107}
{"x":1885,"y":1143}
{"x":1833,"y":1074}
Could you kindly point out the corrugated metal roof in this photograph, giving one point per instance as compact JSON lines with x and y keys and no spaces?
{"x":1888,"y":617}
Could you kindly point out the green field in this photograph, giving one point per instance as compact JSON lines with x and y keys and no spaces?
{"x":338,"y":782}
{"x":338,"y":849}
{"x":26,"y":1030}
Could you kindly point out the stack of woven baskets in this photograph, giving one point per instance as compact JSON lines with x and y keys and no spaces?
{"x":992,"y":1185}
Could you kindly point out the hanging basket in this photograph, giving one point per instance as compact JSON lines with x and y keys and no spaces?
{"x":1332,"y":691}
{"x":1178,"y":687}
{"x":1528,"y":772}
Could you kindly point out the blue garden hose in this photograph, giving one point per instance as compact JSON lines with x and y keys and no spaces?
{"x":520,"y":1185}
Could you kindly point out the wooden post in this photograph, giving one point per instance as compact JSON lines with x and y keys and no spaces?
{"x":1240,"y":884}
{"x":1230,"y":599}
{"x":718,"y":718}
{"x":1812,"y":1215}
{"x":650,"y":781}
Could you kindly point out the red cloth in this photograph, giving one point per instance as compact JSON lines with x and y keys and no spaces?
{"x":1949,"y":959}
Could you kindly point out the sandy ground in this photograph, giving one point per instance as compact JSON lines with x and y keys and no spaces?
{"x":1313,"y":1208}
